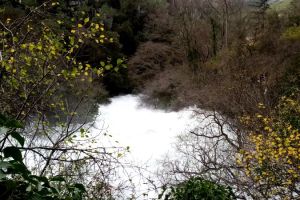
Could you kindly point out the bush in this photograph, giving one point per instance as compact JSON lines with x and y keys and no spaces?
{"x":272,"y":159}
{"x":17,"y":182}
{"x":292,"y":33}
{"x":198,"y":188}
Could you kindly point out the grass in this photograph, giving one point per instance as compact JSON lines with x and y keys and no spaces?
{"x":281,"y":5}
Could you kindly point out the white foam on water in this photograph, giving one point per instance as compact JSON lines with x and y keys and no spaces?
{"x":148,"y":132}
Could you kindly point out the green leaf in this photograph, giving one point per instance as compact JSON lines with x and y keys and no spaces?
{"x":15,"y":124}
{"x":44,"y":192}
{"x":40,"y":179}
{"x":29,"y":188}
{"x":80,"y":187}
{"x":86,"y":20}
{"x":13,"y":152}
{"x":9,"y":123}
{"x":18,"y":137}
{"x":119,"y":61}
{"x":108,"y":67}
{"x":19,"y":168}
{"x":2,"y":175}
{"x":58,"y":178}
{"x":53,"y":190}
{"x":5,"y":165}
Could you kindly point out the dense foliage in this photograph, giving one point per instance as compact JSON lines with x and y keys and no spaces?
{"x":237,"y":59}
{"x":272,"y":160}
{"x":198,"y":188}
{"x":46,"y":76}
{"x":17,"y":182}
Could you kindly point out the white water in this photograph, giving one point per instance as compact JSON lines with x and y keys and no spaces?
{"x":148,"y":132}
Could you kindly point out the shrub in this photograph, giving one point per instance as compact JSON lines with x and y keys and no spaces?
{"x":197,"y":188}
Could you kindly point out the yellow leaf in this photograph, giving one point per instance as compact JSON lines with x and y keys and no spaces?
{"x":88,"y":66}
{"x":23,"y":46}
{"x":99,"y":72}
{"x":86,"y":20}
{"x":31,"y":46}
{"x":39,"y":46}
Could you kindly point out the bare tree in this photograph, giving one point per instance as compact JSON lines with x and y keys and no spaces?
{"x":210,"y":151}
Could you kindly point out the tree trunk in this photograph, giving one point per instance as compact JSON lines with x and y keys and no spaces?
{"x":226,"y":24}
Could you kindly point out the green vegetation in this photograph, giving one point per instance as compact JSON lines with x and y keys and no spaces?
{"x":281,"y":5}
{"x":274,"y":161}
{"x":16,"y":180}
{"x":239,"y":61}
{"x":47,"y":74}
{"x":197,"y":188}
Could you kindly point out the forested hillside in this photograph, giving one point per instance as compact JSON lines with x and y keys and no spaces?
{"x":236,"y":60}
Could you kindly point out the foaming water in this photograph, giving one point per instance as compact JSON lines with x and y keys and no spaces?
{"x":149,"y":133}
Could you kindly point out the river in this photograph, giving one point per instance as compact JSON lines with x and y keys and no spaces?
{"x":149,"y":133}
{"x":144,"y":134}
